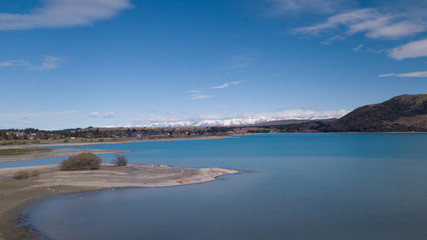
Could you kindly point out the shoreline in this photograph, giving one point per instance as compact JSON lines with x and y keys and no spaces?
{"x":65,"y":152}
{"x":118,"y":142}
{"x":191,"y":138}
{"x":17,"y":195}
{"x":59,"y":152}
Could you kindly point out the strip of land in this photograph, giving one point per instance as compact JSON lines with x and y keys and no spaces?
{"x":16,"y":194}
{"x":23,"y":154}
{"x":47,"y":153}
{"x":21,"y":151}
{"x":94,"y":141}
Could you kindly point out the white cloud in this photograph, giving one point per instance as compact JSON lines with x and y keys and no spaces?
{"x":383,"y":28}
{"x":410,"y":50}
{"x":372,"y":22}
{"x":197,"y":94}
{"x":64,"y":13}
{"x":49,"y":62}
{"x":28,"y":123}
{"x":195,"y":91}
{"x":14,"y":63}
{"x":102,"y":115}
{"x":224,"y":108}
{"x":335,"y":21}
{"x":387,"y":75}
{"x":356,"y":49}
{"x":226,"y":85}
{"x":322,"y":6}
{"x":200,"y":96}
{"x":410,"y":74}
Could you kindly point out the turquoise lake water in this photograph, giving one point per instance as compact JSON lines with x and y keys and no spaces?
{"x":298,"y":186}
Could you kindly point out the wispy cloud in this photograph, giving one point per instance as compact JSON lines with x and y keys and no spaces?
{"x":224,"y":108}
{"x":28,"y":123}
{"x":200,"y":96}
{"x":374,"y":23}
{"x":226,"y":85}
{"x":102,"y":115}
{"x":194,"y":91}
{"x":410,"y":50}
{"x":335,"y":21}
{"x":320,"y":6}
{"x":64,"y":13}
{"x":356,"y":49}
{"x":387,"y":75}
{"x":14,"y":63}
{"x":410,"y":74}
{"x":48,"y":62}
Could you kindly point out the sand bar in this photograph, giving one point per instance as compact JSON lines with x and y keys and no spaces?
{"x":15,"y":195}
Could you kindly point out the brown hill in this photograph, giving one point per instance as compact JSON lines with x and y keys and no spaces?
{"x":399,"y":114}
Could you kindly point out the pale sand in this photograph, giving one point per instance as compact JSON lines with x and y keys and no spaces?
{"x":109,"y":176}
{"x":15,"y":195}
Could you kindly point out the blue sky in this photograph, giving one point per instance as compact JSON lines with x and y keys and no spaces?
{"x":80,"y":63}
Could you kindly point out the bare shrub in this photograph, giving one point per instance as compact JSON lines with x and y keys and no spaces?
{"x":120,"y":160}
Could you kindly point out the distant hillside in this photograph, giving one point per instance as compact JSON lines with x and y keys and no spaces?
{"x":399,"y":114}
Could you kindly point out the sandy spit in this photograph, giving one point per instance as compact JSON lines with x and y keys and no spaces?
{"x":15,"y":195}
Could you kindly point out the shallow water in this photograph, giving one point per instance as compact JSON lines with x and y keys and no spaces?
{"x":300,"y":186}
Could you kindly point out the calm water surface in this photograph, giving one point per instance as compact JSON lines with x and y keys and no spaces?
{"x":300,"y":186}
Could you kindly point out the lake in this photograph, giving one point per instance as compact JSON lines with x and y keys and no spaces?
{"x":298,"y":186}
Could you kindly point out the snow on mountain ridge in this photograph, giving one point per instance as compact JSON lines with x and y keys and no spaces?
{"x":215,"y":122}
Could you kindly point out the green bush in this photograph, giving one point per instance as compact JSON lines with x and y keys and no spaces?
{"x":120,"y":160}
{"x":82,"y":161}
{"x":21,"y":175}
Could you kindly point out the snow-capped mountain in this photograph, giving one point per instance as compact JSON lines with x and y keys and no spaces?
{"x":238,"y":119}
{"x":209,"y":123}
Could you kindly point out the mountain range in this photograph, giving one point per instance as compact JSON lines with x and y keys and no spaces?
{"x":402,"y":113}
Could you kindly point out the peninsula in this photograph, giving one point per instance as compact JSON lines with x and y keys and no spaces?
{"x":16,"y":194}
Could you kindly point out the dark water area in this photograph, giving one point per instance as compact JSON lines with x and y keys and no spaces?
{"x":299,"y":186}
